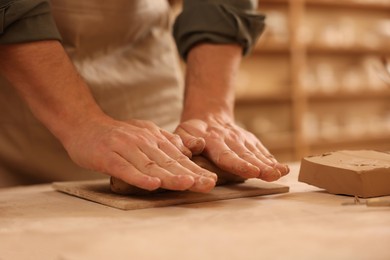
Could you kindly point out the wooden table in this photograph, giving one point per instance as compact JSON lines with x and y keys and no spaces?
{"x":307,"y":223}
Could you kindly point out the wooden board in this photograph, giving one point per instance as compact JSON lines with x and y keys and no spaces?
{"x":99,"y":191}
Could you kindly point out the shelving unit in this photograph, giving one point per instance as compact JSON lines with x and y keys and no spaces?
{"x":292,"y":130}
{"x":312,"y":83}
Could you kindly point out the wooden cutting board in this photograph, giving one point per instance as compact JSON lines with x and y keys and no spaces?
{"x":99,"y":191}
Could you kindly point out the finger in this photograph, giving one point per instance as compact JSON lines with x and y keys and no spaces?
{"x":226,"y":159}
{"x":267,"y":173}
{"x":148,"y":166}
{"x":172,"y":153}
{"x":263,"y":154}
{"x":195,"y":144}
{"x":176,"y":163}
{"x":177,"y":141}
{"x":117,"y":166}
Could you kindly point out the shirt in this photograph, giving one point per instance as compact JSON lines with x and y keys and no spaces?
{"x":213,"y":21}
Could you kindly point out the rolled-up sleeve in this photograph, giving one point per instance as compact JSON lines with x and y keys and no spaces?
{"x":219,"y":22}
{"x":26,"y":21}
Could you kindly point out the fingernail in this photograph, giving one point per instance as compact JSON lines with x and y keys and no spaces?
{"x":193,"y":142}
{"x":276,"y":174}
{"x":206,"y":181}
{"x":209,"y":175}
{"x":283,"y":169}
{"x":197,"y":142}
{"x":254,"y":168}
{"x":270,"y":174}
{"x":183,"y":182}
{"x":155,"y":183}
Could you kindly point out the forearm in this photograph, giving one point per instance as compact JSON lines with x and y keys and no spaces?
{"x":210,"y":77}
{"x":46,"y":79}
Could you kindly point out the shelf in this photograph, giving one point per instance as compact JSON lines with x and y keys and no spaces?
{"x":261,"y":99}
{"x":299,"y":57}
{"x":353,"y":50}
{"x":380,"y":6}
{"x":360,"y":140}
{"x":363,"y":95}
{"x":274,"y":147}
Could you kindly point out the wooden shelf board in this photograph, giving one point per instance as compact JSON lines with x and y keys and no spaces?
{"x":349,"y":4}
{"x":271,"y":50}
{"x":350,"y":95}
{"x":354,"y":50}
{"x":348,"y":141}
{"x":260,"y":99}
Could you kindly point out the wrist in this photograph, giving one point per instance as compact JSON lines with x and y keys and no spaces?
{"x":210,"y":77}
{"x":67,"y":125}
{"x":208,"y":111}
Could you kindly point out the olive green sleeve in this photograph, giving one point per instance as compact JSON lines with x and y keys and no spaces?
{"x":26,"y":21}
{"x":219,"y":22}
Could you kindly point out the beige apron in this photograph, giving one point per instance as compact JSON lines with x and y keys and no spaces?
{"x":124,"y":50}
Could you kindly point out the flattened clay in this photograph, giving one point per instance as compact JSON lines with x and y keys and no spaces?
{"x":99,"y":191}
{"x":361,"y":173}
{"x":120,"y":187}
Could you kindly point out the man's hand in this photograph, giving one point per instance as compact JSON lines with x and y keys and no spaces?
{"x":232,"y":148}
{"x":139,"y":153}
{"x":208,"y":113}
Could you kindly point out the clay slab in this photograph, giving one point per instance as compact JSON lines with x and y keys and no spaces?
{"x":99,"y":191}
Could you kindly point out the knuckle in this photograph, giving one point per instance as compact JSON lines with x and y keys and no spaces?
{"x":116,"y":138}
{"x":182,"y":159}
{"x":237,"y":135}
{"x":170,"y":163}
{"x":265,"y":155}
{"x":174,"y":138}
{"x":146,"y":139}
{"x":215,"y":133}
{"x":112,"y":140}
{"x":150,"y":164}
{"x":246,"y":154}
{"x":269,"y":156}
{"x":224,"y":154}
{"x":161,"y":143}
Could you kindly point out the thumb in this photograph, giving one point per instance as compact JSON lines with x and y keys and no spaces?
{"x":194,"y":143}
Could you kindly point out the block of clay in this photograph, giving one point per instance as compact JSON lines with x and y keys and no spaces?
{"x":360,"y":173}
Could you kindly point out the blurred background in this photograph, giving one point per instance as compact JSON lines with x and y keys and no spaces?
{"x":316,"y":81}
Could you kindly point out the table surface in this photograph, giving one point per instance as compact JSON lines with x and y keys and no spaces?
{"x":306,"y":223}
